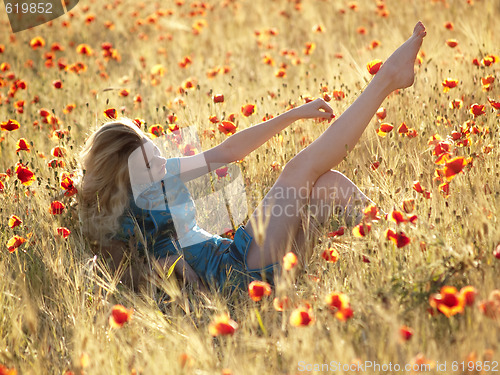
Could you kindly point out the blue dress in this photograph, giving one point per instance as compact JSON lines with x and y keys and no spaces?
{"x":216,"y":260}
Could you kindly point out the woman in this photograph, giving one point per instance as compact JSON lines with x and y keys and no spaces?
{"x":117,"y":208}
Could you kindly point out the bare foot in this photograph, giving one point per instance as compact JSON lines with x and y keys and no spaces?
{"x":399,"y":67}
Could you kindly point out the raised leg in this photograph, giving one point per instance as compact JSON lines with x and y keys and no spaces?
{"x":275,"y":222}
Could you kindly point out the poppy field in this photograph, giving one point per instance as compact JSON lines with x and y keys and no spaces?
{"x":416,"y":290}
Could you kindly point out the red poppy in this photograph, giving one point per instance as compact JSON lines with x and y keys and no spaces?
{"x":302,"y":317}
{"x":403,"y":129}
{"x":338,"y":95}
{"x":397,"y":217}
{"x":22,"y":145}
{"x":374,"y":66}
{"x":56,"y":208}
{"x":119,"y":316}
{"x":14,"y":221}
{"x":469,"y":294}
{"x":494,"y":104}
{"x":454,"y":166}
{"x":258,"y":289}
{"x":449,"y":83}
{"x":496,"y":252}
{"x":227,"y":127}
{"x":487,"y":82}
{"x":84,"y":49}
{"x":331,"y":255}
{"x":189,"y":150}
{"x":37,"y":42}
{"x":9,"y":125}
{"x":289,"y":261}
{"x":400,"y":239}
{"x":361,"y":230}
{"x":417,"y":187}
{"x":110,"y":113}
{"x":449,"y":25}
{"x":339,"y":305}
{"x":57,"y":84}
{"x":222,"y":325}
{"x":248,"y":110}
{"x":384,"y":129}
{"x":456,"y":104}
{"x":281,"y":304}
{"x":15,"y":242}
{"x":63,"y":232}
{"x":219,"y":98}
{"x":381,"y":113}
{"x":448,"y":301}
{"x":156,"y":130}
{"x":338,"y":232}
{"x":405,"y":333}
{"x":371,"y":213}
{"x":477,"y":109}
{"x":26,"y":176}
{"x":68,"y":185}
{"x":452,"y":43}
{"x":58,"y":152}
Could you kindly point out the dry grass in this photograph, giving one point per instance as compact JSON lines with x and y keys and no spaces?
{"x":56,"y":298}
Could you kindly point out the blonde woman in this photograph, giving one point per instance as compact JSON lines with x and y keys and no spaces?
{"x":114,"y":214}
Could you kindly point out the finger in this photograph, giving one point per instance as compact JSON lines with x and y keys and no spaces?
{"x":326,"y":107}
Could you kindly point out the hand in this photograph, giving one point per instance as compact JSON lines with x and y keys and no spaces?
{"x":316,"y":109}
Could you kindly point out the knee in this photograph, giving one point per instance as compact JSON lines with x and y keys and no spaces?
{"x":326,"y":186}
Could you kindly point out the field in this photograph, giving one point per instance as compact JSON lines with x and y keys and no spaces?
{"x":420,"y":289}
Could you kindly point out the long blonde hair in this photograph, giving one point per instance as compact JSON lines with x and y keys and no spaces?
{"x":105,"y":187}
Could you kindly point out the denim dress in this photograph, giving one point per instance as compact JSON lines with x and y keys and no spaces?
{"x":166,"y":219}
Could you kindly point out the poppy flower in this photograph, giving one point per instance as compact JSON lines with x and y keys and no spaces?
{"x":338,"y":232}
{"x":222,"y":325}
{"x":496,"y":252}
{"x":22,"y":145}
{"x":26,"y":176}
{"x":487,"y":82}
{"x":63,"y":232}
{"x":397,"y":217}
{"x":119,"y":316}
{"x":381,"y":113}
{"x":281,"y":304}
{"x":339,"y":305}
{"x":56,"y":208}
{"x":361,"y":230}
{"x":2,"y":186}
{"x":417,"y":187}
{"x":400,"y":239}
{"x":454,"y":166}
{"x":248,"y":110}
{"x":477,"y":109}
{"x":14,"y":221}
{"x":289,"y":261}
{"x":281,"y":73}
{"x":84,"y":49}
{"x":452,"y":43}
{"x":374,"y":66}
{"x":469,"y":294}
{"x":221,"y":172}
{"x":15,"y":242}
{"x":189,"y":150}
{"x":219,"y":98}
{"x":403,"y":129}
{"x":448,"y":25}
{"x":456,"y":104}
{"x":338,"y":94}
{"x":448,"y":301}
{"x":227,"y":127}
{"x":494,"y":104}
{"x":258,"y":289}
{"x":309,"y":48}
{"x":156,"y":130}
{"x":58,"y":152}
{"x":57,"y":84}
{"x":302,"y":317}
{"x":331,"y":255}
{"x":110,"y":113}
{"x":9,"y":125}
{"x":405,"y":333}
{"x":449,"y":83}
{"x":489,"y":60}
{"x":37,"y":42}
{"x":384,"y":129}
{"x":68,"y":185}
{"x":371,"y":213}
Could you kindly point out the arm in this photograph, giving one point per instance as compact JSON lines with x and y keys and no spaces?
{"x":240,"y":144}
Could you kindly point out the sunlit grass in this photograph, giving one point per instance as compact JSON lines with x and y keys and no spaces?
{"x":56,"y":297}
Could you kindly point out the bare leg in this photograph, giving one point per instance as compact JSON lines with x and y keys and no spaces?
{"x":333,"y":195}
{"x":281,"y":206}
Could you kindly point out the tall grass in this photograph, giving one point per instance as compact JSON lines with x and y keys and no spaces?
{"x":56,"y":297}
